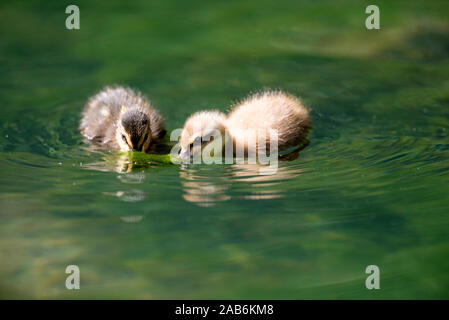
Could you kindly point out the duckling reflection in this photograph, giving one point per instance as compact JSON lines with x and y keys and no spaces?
{"x":132,"y":219}
{"x":203,"y":186}
{"x":206,"y":187}
{"x":120,"y":163}
{"x":133,"y":195}
{"x":263,"y":186}
{"x":124,"y":162}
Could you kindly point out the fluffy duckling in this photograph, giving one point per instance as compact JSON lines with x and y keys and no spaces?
{"x":198,"y":130}
{"x":259,"y":112}
{"x":122,"y":119}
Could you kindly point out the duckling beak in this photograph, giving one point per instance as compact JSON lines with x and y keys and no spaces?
{"x":185,"y":153}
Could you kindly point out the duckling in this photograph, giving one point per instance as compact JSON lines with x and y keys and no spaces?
{"x":267,"y":110}
{"x":259,"y":112}
{"x":123,"y":119}
{"x":198,"y":130}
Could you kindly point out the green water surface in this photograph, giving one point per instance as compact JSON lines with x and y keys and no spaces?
{"x":371,"y":188}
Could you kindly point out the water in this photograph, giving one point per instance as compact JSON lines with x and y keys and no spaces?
{"x":371,"y":188}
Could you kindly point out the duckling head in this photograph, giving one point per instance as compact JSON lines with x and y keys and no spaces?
{"x":133,"y":129}
{"x":201,"y":129}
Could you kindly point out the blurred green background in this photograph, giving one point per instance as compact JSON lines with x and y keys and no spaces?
{"x":372,"y":187}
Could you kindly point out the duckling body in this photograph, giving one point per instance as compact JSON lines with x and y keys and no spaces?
{"x":121,"y":118}
{"x":269,"y":110}
{"x":255,"y":115}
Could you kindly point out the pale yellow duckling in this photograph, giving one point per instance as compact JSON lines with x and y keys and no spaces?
{"x":121,"y":118}
{"x":259,"y":112}
{"x":198,"y":130}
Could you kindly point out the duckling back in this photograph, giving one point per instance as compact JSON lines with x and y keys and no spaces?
{"x":270,"y":110}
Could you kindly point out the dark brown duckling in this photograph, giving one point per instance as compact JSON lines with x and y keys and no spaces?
{"x":122,"y":119}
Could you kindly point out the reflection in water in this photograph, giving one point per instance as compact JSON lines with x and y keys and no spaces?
{"x":203,"y":186}
{"x":133,"y":195}
{"x":207,"y":185}
{"x":115,"y":162}
{"x":132,"y":178}
{"x":264,"y":186}
{"x":124,"y":162}
{"x":132,"y":219}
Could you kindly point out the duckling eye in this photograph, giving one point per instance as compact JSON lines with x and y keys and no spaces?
{"x":126,"y":141}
